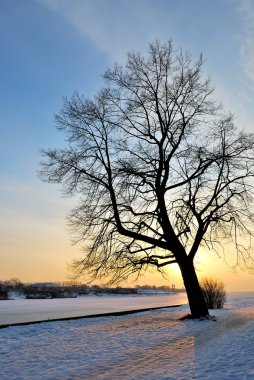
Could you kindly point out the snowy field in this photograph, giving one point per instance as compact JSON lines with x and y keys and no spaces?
{"x":150,"y":345}
{"x":27,"y":310}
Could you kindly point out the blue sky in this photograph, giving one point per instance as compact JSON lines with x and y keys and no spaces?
{"x":49,"y":48}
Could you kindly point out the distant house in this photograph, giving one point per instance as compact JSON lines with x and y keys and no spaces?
{"x":47,"y":290}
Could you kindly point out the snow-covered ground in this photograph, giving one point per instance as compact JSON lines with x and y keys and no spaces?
{"x":150,"y":345}
{"x":27,"y":310}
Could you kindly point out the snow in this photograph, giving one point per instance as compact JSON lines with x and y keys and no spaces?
{"x":150,"y":345}
{"x":27,"y":310}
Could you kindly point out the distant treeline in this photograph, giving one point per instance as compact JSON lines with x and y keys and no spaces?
{"x":58,"y":289}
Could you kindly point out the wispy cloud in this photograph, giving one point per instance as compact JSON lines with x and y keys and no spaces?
{"x":114,"y":27}
{"x":246,"y":9}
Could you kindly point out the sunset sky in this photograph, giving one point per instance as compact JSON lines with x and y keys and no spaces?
{"x":49,"y":48}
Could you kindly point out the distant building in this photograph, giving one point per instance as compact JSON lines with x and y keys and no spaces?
{"x":3,"y":294}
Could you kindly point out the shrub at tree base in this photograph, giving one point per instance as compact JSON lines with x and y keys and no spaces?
{"x":214,"y":293}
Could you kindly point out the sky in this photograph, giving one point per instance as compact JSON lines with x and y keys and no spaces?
{"x":49,"y":48}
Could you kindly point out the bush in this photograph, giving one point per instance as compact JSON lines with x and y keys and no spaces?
{"x":214,"y":293}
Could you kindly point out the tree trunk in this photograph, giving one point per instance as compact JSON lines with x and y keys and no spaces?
{"x":196,"y":299}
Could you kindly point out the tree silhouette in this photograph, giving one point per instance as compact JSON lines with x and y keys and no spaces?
{"x":160,"y":168}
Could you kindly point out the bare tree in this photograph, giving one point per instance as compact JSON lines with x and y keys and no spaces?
{"x":160,"y":170}
{"x":214,"y":293}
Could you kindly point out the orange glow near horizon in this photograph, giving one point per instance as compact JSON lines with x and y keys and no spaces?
{"x":51,"y":266}
{"x":41,"y":253}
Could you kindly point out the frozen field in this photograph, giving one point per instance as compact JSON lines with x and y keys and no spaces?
{"x":151,"y":345}
{"x":22,"y":310}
